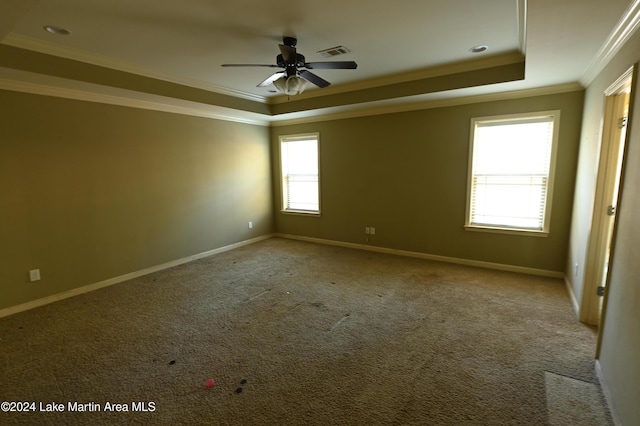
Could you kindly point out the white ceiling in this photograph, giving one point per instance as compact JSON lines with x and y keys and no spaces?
{"x":186,"y":41}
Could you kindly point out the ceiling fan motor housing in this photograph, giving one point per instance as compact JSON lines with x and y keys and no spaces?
{"x":289,"y":41}
{"x":300,"y":61}
{"x":291,"y":68}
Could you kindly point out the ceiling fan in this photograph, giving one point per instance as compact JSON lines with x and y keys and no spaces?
{"x":293,"y":80}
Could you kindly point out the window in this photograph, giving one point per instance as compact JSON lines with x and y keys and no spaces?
{"x":299,"y":165}
{"x":511,"y":164}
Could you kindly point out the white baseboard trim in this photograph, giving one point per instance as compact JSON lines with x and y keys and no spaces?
{"x":572,"y":296}
{"x":126,"y":277}
{"x":116,"y":280}
{"x":604,"y":385}
{"x":459,"y":261}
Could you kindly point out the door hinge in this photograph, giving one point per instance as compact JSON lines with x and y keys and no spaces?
{"x":600,"y":291}
{"x":622,"y":122}
{"x":611,"y":210}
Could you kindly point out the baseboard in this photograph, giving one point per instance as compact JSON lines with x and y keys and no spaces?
{"x":572,"y":296}
{"x":111,"y":281}
{"x":607,"y":395}
{"x":459,"y":261}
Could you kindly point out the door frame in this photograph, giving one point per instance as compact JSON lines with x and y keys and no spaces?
{"x":600,"y":238}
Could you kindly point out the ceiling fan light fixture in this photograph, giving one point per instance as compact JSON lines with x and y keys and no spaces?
{"x":292,"y":85}
{"x":296,"y":74}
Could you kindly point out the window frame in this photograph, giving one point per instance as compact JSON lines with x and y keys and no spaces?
{"x":292,"y":138}
{"x":544,"y":232}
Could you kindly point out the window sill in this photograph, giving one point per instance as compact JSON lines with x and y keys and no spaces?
{"x":510,"y":231}
{"x":300,"y":212}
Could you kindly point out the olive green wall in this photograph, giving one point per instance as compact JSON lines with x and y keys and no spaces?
{"x":406,"y":175}
{"x":90,"y":191}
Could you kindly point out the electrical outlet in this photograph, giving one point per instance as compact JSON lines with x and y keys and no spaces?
{"x":367,"y":230}
{"x":372,"y":230}
{"x":34,"y":275}
{"x":250,"y":225}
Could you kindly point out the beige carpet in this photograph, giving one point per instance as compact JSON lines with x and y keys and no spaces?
{"x":296,"y":333}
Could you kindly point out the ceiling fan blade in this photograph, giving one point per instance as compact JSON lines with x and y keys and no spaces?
{"x":288,"y":54}
{"x":271,"y":79}
{"x":339,"y":65}
{"x":250,"y":65}
{"x":312,"y":78}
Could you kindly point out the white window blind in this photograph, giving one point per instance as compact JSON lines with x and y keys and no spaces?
{"x":510,"y":174}
{"x":299,"y":164}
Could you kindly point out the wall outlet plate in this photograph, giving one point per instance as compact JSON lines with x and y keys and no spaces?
{"x":34,"y":275}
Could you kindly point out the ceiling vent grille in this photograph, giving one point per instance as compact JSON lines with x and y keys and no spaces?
{"x":333,"y":51}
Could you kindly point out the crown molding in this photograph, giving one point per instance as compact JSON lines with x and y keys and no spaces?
{"x":622,"y":32}
{"x":22,"y":81}
{"x":48,"y":48}
{"x":522,"y":25}
{"x":406,"y":106}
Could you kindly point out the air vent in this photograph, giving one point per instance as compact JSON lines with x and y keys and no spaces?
{"x":333,"y":51}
